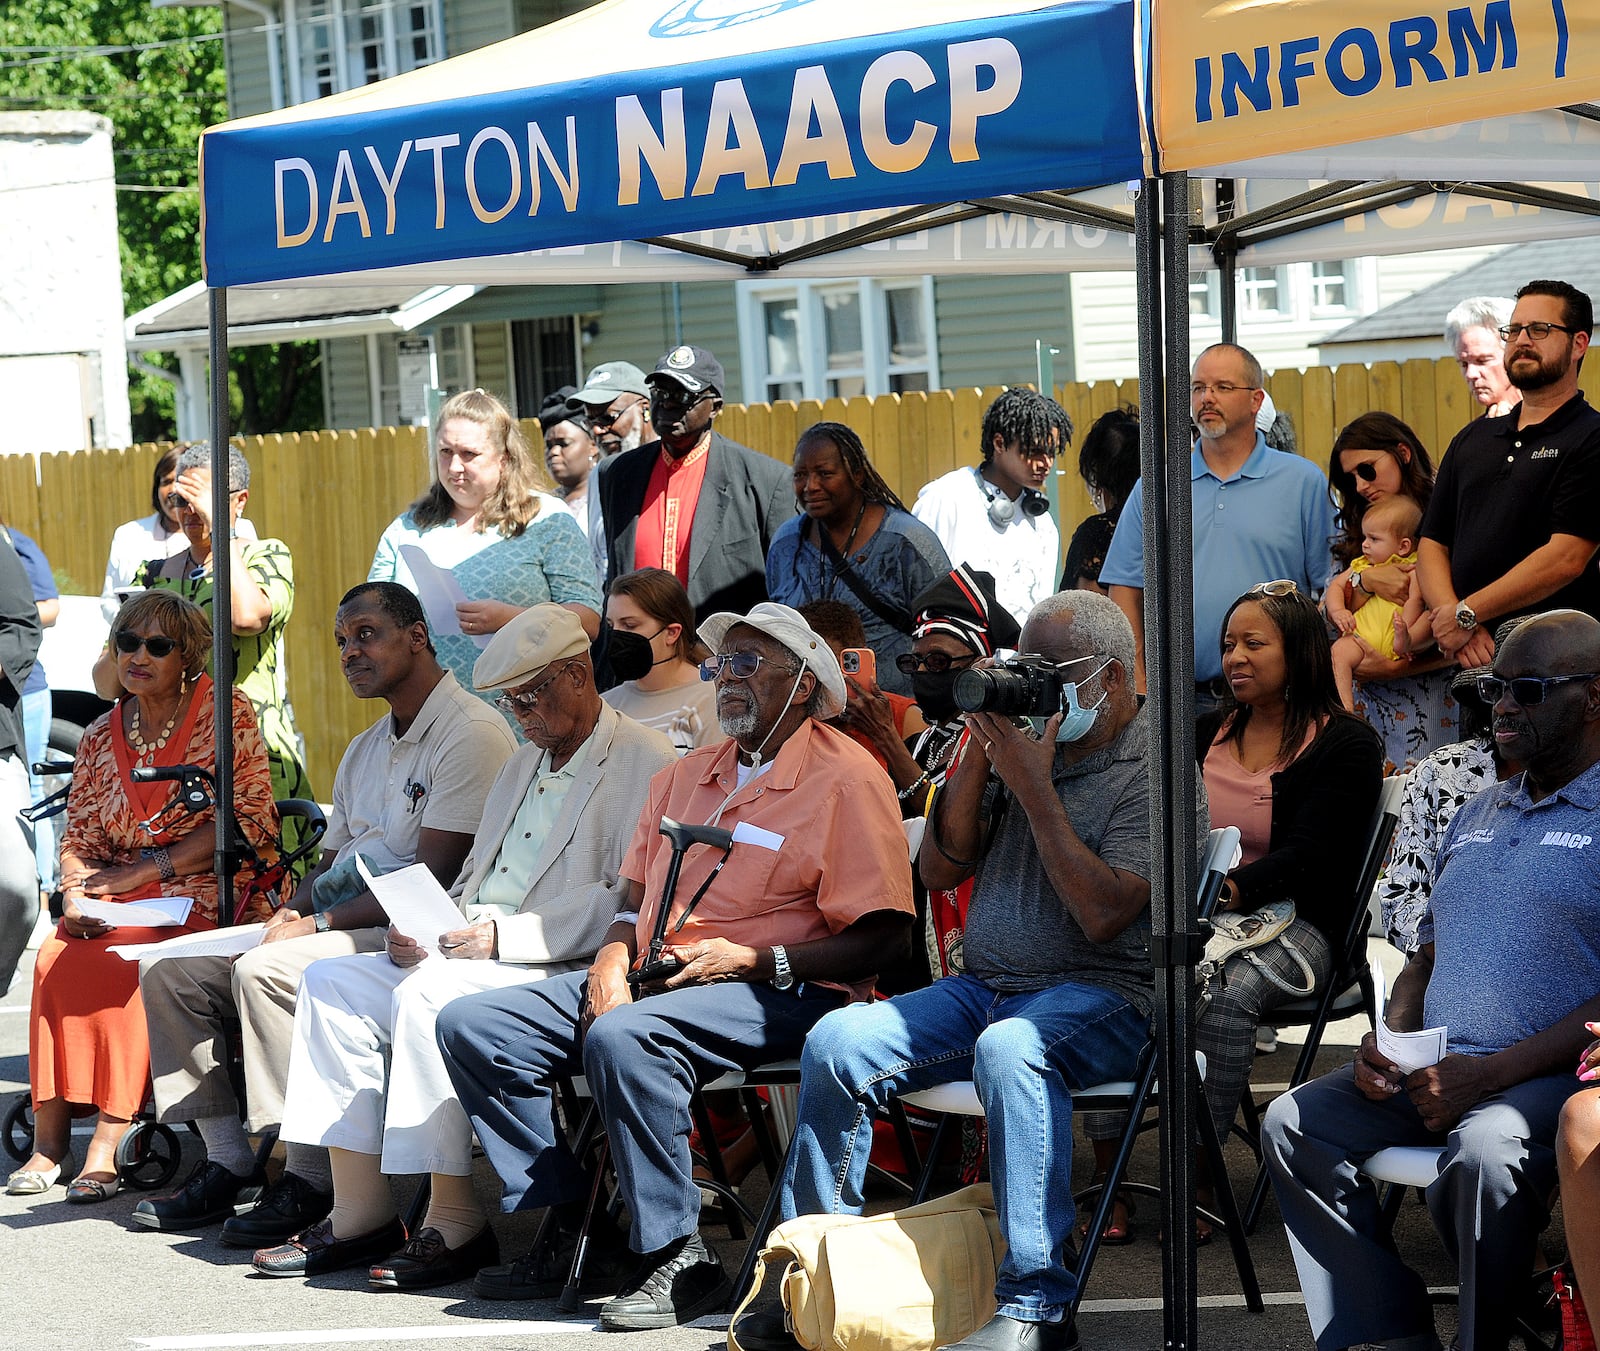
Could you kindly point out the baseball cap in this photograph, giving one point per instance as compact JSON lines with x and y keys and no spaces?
{"x":606,"y":381}
{"x":692,"y":368}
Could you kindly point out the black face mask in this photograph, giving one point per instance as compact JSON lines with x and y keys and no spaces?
{"x":629,"y":653}
{"x":935,"y":694}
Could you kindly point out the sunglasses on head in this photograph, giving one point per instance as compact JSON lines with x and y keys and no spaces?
{"x":155,"y":644}
{"x":1282,"y":587}
{"x":935,"y":663}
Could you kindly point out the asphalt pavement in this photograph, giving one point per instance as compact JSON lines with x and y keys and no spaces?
{"x":84,"y":1278}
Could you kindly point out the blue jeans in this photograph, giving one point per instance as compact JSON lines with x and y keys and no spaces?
{"x":1025,"y":1052}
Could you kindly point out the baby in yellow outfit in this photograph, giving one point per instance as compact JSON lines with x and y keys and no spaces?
{"x":1369,"y":624}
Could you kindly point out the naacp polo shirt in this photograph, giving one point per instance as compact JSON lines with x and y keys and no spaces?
{"x":1515,"y":914}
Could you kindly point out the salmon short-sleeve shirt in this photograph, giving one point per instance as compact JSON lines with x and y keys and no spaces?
{"x":818,"y":844}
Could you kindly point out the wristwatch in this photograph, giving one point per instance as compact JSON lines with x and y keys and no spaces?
{"x":320,"y":922}
{"x":1356,"y":582}
{"x":1466,"y":618}
{"x":782,"y":975}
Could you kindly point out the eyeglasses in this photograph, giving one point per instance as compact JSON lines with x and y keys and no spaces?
{"x":155,"y":644}
{"x":1537,"y":331}
{"x":935,"y":663}
{"x":1366,"y":471}
{"x":1199,"y":391}
{"x":1525,"y":690}
{"x":606,"y":417}
{"x":739,"y":665}
{"x":528,"y":700}
{"x":1282,"y":587}
{"x":680,"y":401}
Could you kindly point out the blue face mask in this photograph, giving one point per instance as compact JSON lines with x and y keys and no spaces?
{"x":1076,"y":721}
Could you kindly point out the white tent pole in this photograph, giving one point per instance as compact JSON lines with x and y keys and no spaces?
{"x":227,"y":858}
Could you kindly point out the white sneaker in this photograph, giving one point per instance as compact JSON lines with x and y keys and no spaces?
{"x":1266,"y":1039}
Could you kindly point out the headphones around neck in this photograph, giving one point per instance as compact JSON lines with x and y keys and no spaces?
{"x":1002,"y":510}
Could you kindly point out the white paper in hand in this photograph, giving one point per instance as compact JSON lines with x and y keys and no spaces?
{"x":414,"y":902}
{"x":439,"y":592}
{"x":1409,"y":1050}
{"x":159,"y":912}
{"x":214,"y":943}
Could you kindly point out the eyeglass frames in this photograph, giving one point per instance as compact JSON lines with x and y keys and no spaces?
{"x":1525,"y":690}
{"x":528,"y":700}
{"x":740,"y":665}
{"x":1222,"y":390}
{"x":1537,"y":331}
{"x":608,"y":417}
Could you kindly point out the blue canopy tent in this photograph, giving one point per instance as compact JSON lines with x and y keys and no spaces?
{"x":674,"y":124}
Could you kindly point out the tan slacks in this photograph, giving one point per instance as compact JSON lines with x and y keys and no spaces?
{"x":187,"y":1002}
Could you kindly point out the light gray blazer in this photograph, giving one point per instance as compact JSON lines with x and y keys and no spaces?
{"x":576,"y":888}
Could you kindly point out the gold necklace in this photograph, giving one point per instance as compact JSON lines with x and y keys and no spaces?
{"x":148,"y":750}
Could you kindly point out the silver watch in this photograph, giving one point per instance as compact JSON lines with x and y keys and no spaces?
{"x":1466,"y":618}
{"x":782,"y":975}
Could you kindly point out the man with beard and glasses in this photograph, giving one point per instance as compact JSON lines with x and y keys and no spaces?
{"x":1514,"y":520}
{"x":1508,"y":965}
{"x":813,"y":894}
{"x":693,"y":502}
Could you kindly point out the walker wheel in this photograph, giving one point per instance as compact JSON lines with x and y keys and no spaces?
{"x":148,"y":1155}
{"x":17,"y":1131}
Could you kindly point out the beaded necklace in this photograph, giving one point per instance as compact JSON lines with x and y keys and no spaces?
{"x":147,"y":750}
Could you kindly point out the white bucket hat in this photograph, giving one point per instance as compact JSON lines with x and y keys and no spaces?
{"x":784,"y":625}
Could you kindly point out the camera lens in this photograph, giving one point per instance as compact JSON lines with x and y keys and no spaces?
{"x":993,"y":690}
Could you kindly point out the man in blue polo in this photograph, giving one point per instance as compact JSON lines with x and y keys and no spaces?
{"x":1259,"y":515}
{"x":1509,"y":964}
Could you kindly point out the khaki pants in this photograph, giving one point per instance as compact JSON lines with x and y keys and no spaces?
{"x":187,"y":1001}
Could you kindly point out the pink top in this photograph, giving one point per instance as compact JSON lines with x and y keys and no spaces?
{"x":1238,"y":797}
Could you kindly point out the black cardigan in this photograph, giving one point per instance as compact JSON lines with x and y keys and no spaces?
{"x":1322,"y":804}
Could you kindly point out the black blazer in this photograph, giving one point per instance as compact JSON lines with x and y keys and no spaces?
{"x":20,"y":634}
{"x":744,"y":498}
{"x":1322,"y":805}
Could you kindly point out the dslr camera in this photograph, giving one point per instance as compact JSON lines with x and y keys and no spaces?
{"x":1014,"y":687}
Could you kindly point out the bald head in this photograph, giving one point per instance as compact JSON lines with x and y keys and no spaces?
{"x":1563,"y":642}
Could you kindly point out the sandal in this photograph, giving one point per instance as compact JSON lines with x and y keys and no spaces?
{"x":1115,"y":1235}
{"x":89,"y":1191}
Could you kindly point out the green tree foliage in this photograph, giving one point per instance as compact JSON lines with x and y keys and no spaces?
{"x":157,"y":74}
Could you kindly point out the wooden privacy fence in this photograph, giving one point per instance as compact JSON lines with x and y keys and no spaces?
{"x":328,"y":495}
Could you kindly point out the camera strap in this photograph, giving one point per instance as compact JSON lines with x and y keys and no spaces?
{"x":897,"y":619}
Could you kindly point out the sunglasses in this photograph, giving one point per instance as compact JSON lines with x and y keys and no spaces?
{"x":1282,"y":587}
{"x":740,"y":665}
{"x":607,"y":417}
{"x":1366,"y":471}
{"x":1525,"y":690}
{"x":936,"y":663}
{"x":677,"y":401}
{"x":155,"y":645}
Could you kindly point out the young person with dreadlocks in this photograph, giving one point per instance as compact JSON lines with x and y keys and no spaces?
{"x":995,"y":516}
{"x":855,"y":542}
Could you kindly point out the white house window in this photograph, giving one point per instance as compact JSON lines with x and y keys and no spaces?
{"x":343,"y":44}
{"x":452,"y":352}
{"x":1333,"y":287}
{"x":1203,"y":291}
{"x":1262,"y":291}
{"x":823,"y":340}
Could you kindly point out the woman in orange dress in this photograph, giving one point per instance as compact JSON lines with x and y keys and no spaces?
{"x":88,"y":1046}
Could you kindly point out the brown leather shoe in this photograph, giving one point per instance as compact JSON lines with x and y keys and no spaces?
{"x":426,"y":1262}
{"x":315,"y":1251}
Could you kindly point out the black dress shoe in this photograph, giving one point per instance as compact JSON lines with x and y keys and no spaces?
{"x":674,"y":1285}
{"x":543,"y":1275}
{"x":765,"y":1330}
{"x":289,"y":1205}
{"x":317,"y":1252}
{"x":212,"y":1193}
{"x":425,"y":1261}
{"x":1002,"y":1333}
